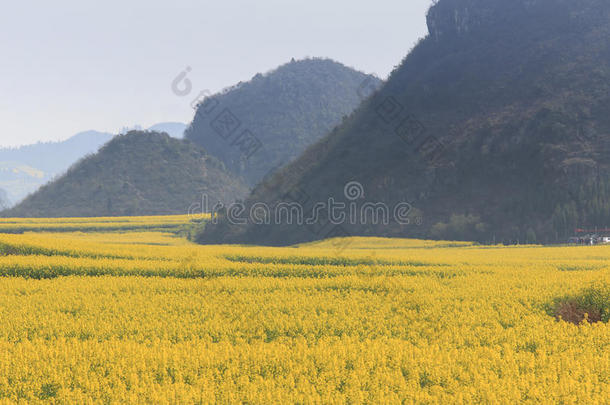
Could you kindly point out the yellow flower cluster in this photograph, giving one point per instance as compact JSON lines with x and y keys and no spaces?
{"x":147,"y":317}
{"x":18,"y":225}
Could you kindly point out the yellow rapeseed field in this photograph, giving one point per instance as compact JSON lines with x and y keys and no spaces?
{"x":140,"y":315}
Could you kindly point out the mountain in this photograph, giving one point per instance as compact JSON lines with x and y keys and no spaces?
{"x":26,"y":168}
{"x":139,"y":173}
{"x":496,"y":127}
{"x":257,"y":126}
{"x":173,"y":129}
{"x":4,"y":200}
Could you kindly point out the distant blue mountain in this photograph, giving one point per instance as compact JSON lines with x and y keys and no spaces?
{"x":4,"y":201}
{"x":24,"y":169}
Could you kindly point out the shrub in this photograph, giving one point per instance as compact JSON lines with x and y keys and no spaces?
{"x":592,"y":305}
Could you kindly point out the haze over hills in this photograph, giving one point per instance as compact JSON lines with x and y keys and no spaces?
{"x":4,"y":200}
{"x":24,"y":169}
{"x":139,"y":173}
{"x":282,"y":112}
{"x":496,"y":127}
{"x":257,"y":126}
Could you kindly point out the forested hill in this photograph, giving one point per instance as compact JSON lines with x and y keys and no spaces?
{"x":257,"y":126}
{"x":139,"y":173}
{"x":496,"y":127}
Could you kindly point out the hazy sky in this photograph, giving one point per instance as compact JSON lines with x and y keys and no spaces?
{"x":73,"y":65}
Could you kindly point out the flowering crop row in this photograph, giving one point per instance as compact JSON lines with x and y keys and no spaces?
{"x":146,"y":317}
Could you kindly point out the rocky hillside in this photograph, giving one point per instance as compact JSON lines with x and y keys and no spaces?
{"x":496,"y":128}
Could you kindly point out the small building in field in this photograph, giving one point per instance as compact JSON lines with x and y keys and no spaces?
{"x":590,"y":238}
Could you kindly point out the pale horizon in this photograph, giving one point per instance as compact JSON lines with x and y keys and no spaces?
{"x":71,"y":67}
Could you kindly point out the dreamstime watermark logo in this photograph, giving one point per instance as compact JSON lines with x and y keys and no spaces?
{"x":182,"y":86}
{"x":368,"y":87}
{"x":405,"y":125}
{"x":295,"y":209}
{"x":353,"y":191}
{"x":221,"y":119}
